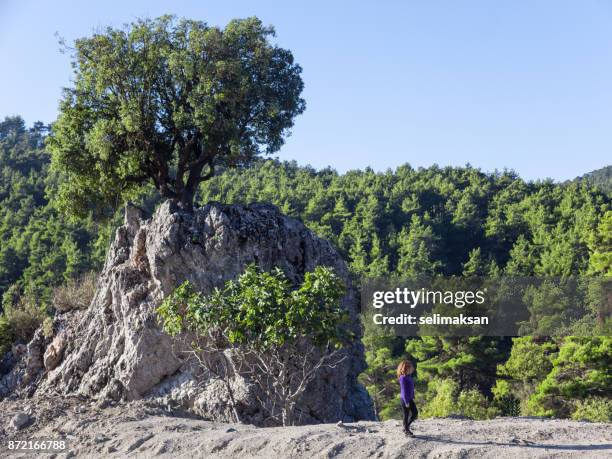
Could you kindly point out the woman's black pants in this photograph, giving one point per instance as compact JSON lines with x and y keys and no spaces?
{"x":410,"y":414}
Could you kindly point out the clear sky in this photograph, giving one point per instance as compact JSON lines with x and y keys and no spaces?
{"x":525,"y":85}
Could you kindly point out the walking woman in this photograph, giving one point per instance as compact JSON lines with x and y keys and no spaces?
{"x":404,"y":374}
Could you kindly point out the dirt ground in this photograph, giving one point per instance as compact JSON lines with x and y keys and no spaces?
{"x":139,"y":429}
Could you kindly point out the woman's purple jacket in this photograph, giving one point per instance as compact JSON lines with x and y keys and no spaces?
{"x":406,"y":388}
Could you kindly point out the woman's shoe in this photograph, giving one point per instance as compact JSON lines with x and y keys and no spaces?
{"x":408,"y":433}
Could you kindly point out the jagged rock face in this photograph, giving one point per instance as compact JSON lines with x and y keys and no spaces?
{"x":118,"y":350}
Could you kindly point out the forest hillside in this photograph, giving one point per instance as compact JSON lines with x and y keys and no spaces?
{"x":451,"y":220}
{"x":600,"y":178}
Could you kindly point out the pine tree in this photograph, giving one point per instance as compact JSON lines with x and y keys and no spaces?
{"x":475,"y":265}
{"x":415,"y":249}
{"x":600,"y":245}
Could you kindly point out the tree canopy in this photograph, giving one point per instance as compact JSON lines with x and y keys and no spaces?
{"x":165,"y":102}
{"x":263,"y":309}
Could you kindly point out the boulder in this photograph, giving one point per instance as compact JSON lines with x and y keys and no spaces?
{"x":20,"y":420}
{"x":24,"y":368}
{"x":34,"y":357}
{"x":118,"y":351}
{"x":55,"y":351}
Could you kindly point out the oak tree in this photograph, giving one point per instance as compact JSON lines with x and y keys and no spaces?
{"x":166,"y":102}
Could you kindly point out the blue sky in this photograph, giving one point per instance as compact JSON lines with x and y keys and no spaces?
{"x":525,"y":85}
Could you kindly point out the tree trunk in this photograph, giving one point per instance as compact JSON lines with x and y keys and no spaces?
{"x":228,"y":382}
{"x":185,"y":202}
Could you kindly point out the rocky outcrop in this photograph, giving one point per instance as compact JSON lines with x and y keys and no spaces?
{"x":55,"y":351}
{"x":117,"y":351}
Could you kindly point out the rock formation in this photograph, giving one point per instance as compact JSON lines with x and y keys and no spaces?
{"x":117,"y":350}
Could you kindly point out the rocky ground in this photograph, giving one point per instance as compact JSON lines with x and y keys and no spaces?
{"x":139,"y":429}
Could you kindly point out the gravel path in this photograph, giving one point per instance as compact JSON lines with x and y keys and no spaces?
{"x":141,"y":430}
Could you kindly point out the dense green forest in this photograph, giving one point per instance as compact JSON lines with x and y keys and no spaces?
{"x":406,"y":221}
{"x":39,"y":247}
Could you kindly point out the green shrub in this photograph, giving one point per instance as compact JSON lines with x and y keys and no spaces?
{"x":280,"y":335}
{"x":24,"y":318}
{"x":6,"y":335}
{"x":23,"y":313}
{"x":443,"y":399}
{"x":48,"y":327}
{"x":391,"y":410}
{"x":263,"y":308}
{"x":473,"y":404}
{"x":596,"y":409}
{"x":440,"y":398}
{"x":504,"y":400}
{"x":21,"y":316}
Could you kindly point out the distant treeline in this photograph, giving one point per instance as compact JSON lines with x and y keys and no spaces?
{"x":600,"y":178}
